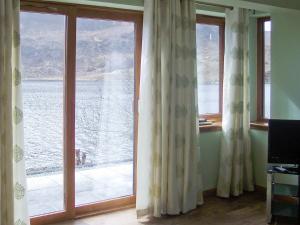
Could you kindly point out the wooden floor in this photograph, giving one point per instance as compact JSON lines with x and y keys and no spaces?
{"x":246,"y":210}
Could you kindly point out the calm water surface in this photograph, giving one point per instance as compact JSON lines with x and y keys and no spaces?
{"x":104,"y":121}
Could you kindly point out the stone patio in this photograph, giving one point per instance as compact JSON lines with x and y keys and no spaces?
{"x":45,"y":193}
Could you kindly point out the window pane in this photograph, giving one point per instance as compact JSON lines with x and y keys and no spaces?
{"x":42,"y":56}
{"x":267,"y":66}
{"x":104,"y":110}
{"x":208,"y":69}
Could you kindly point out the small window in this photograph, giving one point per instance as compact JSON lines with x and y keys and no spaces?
{"x":210,"y":60}
{"x":263,"y":68}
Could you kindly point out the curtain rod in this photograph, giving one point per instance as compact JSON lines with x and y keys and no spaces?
{"x":213,"y":4}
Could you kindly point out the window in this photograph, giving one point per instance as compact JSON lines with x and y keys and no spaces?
{"x":80,"y":69}
{"x":210,"y":60}
{"x":263,"y":68}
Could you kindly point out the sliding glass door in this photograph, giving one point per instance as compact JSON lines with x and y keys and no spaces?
{"x":104,"y":110}
{"x":80,"y":69}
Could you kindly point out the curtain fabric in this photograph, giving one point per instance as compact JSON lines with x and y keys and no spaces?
{"x":12,"y":167}
{"x":169,"y":179}
{"x":235,"y":174}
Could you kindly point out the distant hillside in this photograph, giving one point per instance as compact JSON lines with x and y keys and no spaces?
{"x":103,"y":47}
{"x":267,"y":56}
{"x":207,"y":54}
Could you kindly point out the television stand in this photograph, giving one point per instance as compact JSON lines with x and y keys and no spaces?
{"x":287,"y":169}
{"x":282,"y":199}
{"x":292,"y":169}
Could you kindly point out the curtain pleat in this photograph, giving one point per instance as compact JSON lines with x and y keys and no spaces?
{"x":236,"y":172}
{"x":169,"y":174}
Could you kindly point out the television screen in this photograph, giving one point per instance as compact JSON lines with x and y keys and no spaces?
{"x":284,"y":141}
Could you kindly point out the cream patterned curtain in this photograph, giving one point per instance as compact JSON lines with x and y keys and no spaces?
{"x":169,"y":179}
{"x":13,"y":210}
{"x":235,"y":173}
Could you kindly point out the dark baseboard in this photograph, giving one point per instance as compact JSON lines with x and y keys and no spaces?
{"x":260,"y":189}
{"x":210,"y":192}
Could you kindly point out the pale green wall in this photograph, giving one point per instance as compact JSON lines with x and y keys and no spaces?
{"x":261,"y":5}
{"x":210,"y":149}
{"x":285,"y":86}
{"x":259,"y":143}
{"x":285,"y":79}
{"x":122,"y":4}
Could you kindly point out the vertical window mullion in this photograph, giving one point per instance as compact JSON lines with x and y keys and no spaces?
{"x":137,"y":70}
{"x":221,"y":64}
{"x":260,"y":69}
{"x":69,"y":114}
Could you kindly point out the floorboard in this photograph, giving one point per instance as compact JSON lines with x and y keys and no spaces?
{"x":248,"y":209}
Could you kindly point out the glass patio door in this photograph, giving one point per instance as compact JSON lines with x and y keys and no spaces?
{"x":104,"y":135}
{"x":80,"y":73}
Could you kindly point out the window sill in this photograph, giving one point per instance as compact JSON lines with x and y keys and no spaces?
{"x":216,"y":126}
{"x":259,"y":125}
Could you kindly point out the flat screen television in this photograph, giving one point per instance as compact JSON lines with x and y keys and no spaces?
{"x":284,"y":141}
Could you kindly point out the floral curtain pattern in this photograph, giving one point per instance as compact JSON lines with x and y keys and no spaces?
{"x":169,"y":174}
{"x":13,"y":201}
{"x":235,"y":173}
